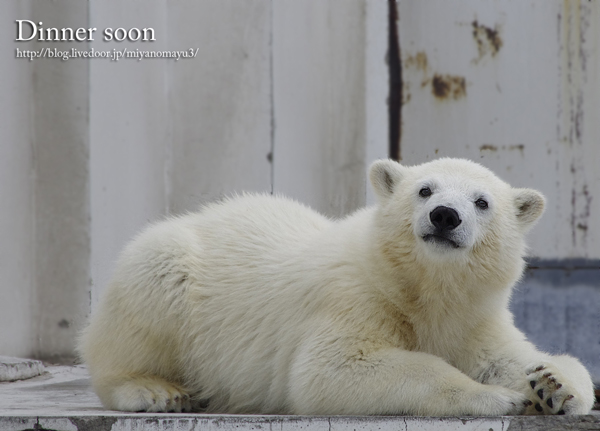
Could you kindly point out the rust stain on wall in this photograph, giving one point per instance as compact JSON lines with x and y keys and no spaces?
{"x":579,"y":221}
{"x":488,"y":147}
{"x":418,"y":61}
{"x":494,"y":148}
{"x":578,"y":29}
{"x":519,"y":147}
{"x":443,"y":86}
{"x":448,"y":86}
{"x":488,"y":39}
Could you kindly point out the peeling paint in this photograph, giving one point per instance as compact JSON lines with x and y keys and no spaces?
{"x":518,"y":147}
{"x":488,"y":40}
{"x":448,"y":86}
{"x":581,"y":211}
{"x":574,"y":28}
{"x":571,"y":67}
{"x":488,"y":147}
{"x":443,"y":86}
{"x":494,"y":148}
{"x":418,"y":61}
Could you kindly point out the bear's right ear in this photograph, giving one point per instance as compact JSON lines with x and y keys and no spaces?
{"x":385,"y":175}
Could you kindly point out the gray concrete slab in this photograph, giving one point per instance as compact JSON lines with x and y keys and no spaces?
{"x":62,"y":399}
{"x":242,"y":423}
{"x":171,"y":422}
{"x":18,"y":369}
{"x":60,"y":390}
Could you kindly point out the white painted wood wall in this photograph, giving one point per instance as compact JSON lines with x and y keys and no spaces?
{"x":285,"y":96}
{"x":531,"y":110}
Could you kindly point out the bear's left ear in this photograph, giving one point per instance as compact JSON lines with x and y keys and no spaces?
{"x":530,"y":205}
{"x":385,"y":175}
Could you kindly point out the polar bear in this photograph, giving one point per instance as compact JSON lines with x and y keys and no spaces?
{"x":258,"y":304}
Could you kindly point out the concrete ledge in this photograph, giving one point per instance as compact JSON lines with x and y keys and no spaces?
{"x":62,"y":399}
{"x":12,"y":369}
{"x":173,"y":422}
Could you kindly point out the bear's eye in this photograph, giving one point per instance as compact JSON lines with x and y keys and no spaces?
{"x":425,"y":192}
{"x":481,"y":203}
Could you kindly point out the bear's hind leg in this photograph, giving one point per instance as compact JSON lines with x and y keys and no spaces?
{"x":142,"y":394}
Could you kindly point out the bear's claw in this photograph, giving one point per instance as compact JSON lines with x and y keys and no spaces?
{"x":545,"y":387}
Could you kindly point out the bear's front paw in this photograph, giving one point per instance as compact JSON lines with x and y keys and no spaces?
{"x":509,"y":403}
{"x":149,"y":394}
{"x":550,"y":393}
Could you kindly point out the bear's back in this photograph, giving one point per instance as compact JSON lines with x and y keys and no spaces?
{"x":258,"y":222}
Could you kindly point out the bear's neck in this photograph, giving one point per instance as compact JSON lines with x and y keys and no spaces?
{"x":445,"y":321}
{"x":443,"y":305}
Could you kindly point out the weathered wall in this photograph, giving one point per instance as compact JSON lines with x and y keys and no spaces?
{"x":222,"y":130}
{"x":318,"y":55}
{"x":45,"y":225}
{"x":60,"y":145}
{"x":129,"y":134}
{"x":16,"y":195}
{"x":96,"y":149}
{"x":515,"y":86}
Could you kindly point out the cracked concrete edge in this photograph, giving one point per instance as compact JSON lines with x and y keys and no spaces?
{"x":554,"y":423}
{"x":243,"y":423}
{"x":12,"y":369}
{"x":171,"y":422}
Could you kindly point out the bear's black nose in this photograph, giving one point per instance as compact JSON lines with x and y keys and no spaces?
{"x":444,"y":218}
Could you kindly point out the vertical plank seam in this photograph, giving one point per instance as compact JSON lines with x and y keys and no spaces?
{"x":271,"y":156}
{"x":35,"y":346}
{"x":395,"y":90}
{"x":168,"y":149}
{"x":89,"y":169}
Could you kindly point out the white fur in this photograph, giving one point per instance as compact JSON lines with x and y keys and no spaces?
{"x":260,"y":305}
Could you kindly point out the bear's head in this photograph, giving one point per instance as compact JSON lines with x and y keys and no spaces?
{"x":453,"y":216}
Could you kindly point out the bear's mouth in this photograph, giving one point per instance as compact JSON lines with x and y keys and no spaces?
{"x":441,"y":240}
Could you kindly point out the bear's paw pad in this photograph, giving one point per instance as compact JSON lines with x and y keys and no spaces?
{"x":550,"y":394}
